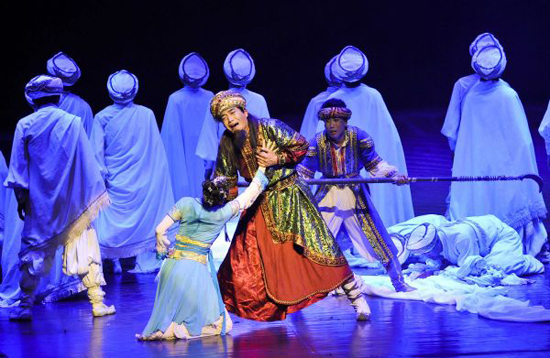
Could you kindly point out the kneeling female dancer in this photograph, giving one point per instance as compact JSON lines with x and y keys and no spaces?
{"x":188,"y":303}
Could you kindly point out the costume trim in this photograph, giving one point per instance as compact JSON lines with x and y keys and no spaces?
{"x":531,"y":212}
{"x":225,"y":100}
{"x":72,"y":231}
{"x":183,"y":240}
{"x":291,"y":303}
{"x":334,"y":112}
{"x":373,"y":235}
{"x":276,"y":186}
{"x":186,"y":248}
{"x":180,"y":254}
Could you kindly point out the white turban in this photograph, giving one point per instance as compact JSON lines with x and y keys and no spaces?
{"x":123,"y":86}
{"x":351,"y":65}
{"x":400,"y":243}
{"x":422,"y":239}
{"x":194,"y":70}
{"x":239,"y":67}
{"x":64,"y":67}
{"x":489,"y":62}
{"x":329,"y":73}
{"x":43,"y":86}
{"x":482,"y":40}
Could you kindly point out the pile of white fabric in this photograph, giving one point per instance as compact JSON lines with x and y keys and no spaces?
{"x":446,"y":289}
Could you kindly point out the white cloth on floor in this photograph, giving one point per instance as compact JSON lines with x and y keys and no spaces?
{"x":487,"y":302}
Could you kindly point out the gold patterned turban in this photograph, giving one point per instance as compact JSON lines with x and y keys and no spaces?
{"x":334,"y":112}
{"x":225,"y":100}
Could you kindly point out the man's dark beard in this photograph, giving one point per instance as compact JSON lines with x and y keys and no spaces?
{"x":239,"y":138}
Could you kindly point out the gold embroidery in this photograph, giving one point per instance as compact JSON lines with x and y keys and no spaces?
{"x":366,"y":143}
{"x":375,"y":238}
{"x":304,"y":171}
{"x":181,"y":253}
{"x":185,"y":240}
{"x":188,"y":255}
{"x":373,"y":163}
{"x":289,"y":215}
{"x":321,"y":247}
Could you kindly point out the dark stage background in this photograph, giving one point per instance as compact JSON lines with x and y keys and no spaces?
{"x":416,"y":49}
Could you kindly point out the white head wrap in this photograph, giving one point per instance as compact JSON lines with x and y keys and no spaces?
{"x":351,"y":65}
{"x":489,"y":62}
{"x":482,"y":40}
{"x":194,"y":70}
{"x":422,"y":239}
{"x":123,"y":86}
{"x":43,"y":86}
{"x":400,"y":243}
{"x":329,"y":73}
{"x":64,"y":67}
{"x":239,"y":67}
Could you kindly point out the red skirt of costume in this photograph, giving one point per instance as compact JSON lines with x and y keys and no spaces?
{"x":263,"y":281}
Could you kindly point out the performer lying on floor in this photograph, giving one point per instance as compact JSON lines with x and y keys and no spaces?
{"x":474,"y":244}
{"x":188,"y":303}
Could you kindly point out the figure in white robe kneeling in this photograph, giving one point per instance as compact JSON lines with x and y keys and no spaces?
{"x":475,"y":244}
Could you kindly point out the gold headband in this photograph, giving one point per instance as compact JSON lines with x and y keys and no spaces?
{"x":334,"y":112}
{"x":225,"y":100}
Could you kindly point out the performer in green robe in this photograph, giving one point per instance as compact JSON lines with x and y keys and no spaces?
{"x":283,"y":256}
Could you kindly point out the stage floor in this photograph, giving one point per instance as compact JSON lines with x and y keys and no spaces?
{"x":328,"y":328}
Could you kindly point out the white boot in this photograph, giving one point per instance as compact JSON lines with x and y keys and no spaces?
{"x":96,"y":294}
{"x":352,"y":288}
